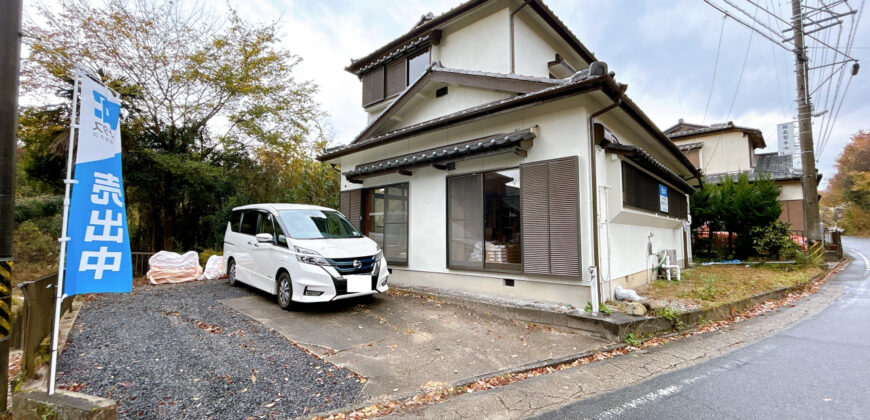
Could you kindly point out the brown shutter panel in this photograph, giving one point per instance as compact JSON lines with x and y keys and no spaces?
{"x":563,"y":212}
{"x":355,"y":208}
{"x":373,"y":86}
{"x":396,"y":76}
{"x":535,"y":229}
{"x":344,"y":203}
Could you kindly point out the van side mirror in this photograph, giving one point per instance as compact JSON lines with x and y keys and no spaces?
{"x":264,"y":237}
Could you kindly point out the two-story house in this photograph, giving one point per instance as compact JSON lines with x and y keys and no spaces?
{"x":502,"y":158}
{"x":720,"y":150}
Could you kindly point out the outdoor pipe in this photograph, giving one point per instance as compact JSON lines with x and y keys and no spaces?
{"x":596,"y":298}
{"x":511,"y":19}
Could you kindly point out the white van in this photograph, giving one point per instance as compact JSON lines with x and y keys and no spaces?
{"x":302,"y":253}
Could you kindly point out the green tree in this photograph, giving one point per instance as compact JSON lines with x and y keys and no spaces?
{"x":209,"y":97}
{"x":737,"y":206}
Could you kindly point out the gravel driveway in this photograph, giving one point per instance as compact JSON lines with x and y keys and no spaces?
{"x":175,"y":352}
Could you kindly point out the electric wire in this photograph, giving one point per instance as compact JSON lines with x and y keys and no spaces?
{"x":715,"y":67}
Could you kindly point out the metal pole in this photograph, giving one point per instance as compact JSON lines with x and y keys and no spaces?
{"x":805,"y":130}
{"x":61,"y":266}
{"x":10,"y":49}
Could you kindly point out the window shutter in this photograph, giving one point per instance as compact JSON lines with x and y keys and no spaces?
{"x":563,"y":212}
{"x":350,"y":205}
{"x":373,"y":86}
{"x":344,"y":203}
{"x":396,"y":77}
{"x":550,"y":200}
{"x":535,"y":229}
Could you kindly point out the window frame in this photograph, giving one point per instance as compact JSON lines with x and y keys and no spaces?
{"x":495,"y":267}
{"x":671,"y":192}
{"x":364,"y":225}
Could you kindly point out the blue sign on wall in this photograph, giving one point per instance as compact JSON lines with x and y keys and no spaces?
{"x":663,"y":198}
{"x":98,"y":258}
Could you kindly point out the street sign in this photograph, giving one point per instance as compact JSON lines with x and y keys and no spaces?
{"x":786,"y":139}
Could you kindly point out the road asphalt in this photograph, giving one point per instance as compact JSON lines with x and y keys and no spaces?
{"x":818,"y":368}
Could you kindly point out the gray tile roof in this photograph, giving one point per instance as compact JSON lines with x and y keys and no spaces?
{"x":753,"y":133}
{"x":767,"y":165}
{"x":690,"y":146}
{"x":645,"y":160}
{"x":444,"y":154}
{"x":580,"y":78}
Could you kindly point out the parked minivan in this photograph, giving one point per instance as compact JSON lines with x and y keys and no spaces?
{"x":301,"y":253}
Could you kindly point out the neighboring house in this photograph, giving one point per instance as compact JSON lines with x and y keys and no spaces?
{"x":501,"y":158}
{"x":726,"y":149}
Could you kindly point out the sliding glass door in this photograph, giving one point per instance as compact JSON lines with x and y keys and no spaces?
{"x":386,"y":221}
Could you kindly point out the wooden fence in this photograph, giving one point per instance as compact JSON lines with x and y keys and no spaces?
{"x":36,"y":321}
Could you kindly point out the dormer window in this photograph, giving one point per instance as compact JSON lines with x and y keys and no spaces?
{"x":417,"y":65}
{"x":391,"y":78}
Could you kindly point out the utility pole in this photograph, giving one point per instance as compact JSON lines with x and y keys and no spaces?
{"x":10,"y":49}
{"x":805,"y":129}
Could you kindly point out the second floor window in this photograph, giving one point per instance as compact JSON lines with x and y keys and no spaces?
{"x":384,"y":81}
{"x":417,"y":65}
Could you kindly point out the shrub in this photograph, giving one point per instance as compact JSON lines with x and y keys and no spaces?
{"x":770,"y":240}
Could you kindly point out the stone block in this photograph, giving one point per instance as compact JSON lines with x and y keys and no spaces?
{"x":63,"y":405}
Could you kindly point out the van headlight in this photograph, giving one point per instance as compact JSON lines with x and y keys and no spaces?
{"x":308,"y":256}
{"x":379,"y":256}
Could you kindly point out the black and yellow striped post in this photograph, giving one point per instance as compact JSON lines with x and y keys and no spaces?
{"x":10,"y":51}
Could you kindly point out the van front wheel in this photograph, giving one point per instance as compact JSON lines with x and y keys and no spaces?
{"x":285,"y":291}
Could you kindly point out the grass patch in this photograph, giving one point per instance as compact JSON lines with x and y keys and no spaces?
{"x":713,"y":285}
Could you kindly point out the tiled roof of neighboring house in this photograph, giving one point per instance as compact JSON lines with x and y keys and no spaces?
{"x":505,"y":142}
{"x":767,"y":165}
{"x":426,"y":25}
{"x":646,"y":161}
{"x":754,"y":134}
{"x":690,"y":146}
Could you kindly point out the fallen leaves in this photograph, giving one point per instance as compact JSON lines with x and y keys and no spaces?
{"x":209,"y":328}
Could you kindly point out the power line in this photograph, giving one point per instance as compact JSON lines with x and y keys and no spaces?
{"x":740,"y":78}
{"x":715,"y":67}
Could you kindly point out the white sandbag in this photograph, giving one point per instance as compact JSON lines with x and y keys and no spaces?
{"x":626,"y":294}
{"x":214,"y":268}
{"x":169,"y":267}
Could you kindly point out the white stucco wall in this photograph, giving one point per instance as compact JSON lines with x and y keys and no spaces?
{"x":561,"y":132}
{"x":723,"y":153}
{"x":482,"y":45}
{"x":790,"y":191}
{"x":426,"y":106}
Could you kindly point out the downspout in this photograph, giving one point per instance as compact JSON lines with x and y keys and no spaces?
{"x":596,"y":286}
{"x":511,"y":19}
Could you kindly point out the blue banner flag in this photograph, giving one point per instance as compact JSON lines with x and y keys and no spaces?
{"x":98,"y":258}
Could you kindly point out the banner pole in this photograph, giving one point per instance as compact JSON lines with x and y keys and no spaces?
{"x":61,"y":265}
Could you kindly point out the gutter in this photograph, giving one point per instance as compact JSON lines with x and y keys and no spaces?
{"x":513,"y":47}
{"x":596,"y":283}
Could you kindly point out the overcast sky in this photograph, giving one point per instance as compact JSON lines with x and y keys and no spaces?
{"x":664,"y":50}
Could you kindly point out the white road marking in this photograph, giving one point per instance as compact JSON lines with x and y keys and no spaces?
{"x":866,"y":262}
{"x":674,"y":389}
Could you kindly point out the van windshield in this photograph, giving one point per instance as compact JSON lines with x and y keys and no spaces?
{"x":317,"y":224}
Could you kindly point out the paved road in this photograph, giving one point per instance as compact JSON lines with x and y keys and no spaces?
{"x":819,"y":368}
